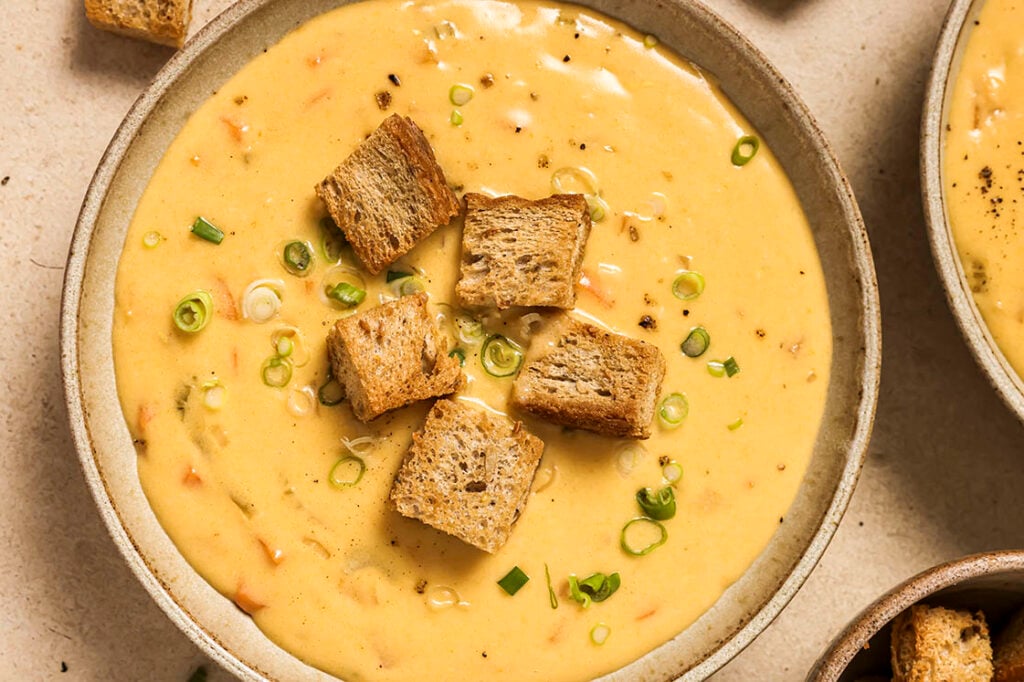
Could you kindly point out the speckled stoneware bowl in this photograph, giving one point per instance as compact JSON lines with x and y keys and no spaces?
{"x":764,"y":97}
{"x":992,"y":582}
{"x":952,"y":41}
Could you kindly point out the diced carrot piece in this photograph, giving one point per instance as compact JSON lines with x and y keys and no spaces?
{"x":143,"y":418}
{"x":236,"y":128}
{"x":192,"y":478}
{"x":276,"y":556}
{"x":592,"y":285}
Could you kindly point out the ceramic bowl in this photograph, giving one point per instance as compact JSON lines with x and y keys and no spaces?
{"x":945,"y":69}
{"x":764,"y":97}
{"x":992,"y":582}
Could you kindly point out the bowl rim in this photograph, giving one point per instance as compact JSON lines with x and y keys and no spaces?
{"x":862,"y":270}
{"x":951,"y":43}
{"x":866,"y":624}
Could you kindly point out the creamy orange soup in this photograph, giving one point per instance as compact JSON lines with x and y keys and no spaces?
{"x":240,"y":472}
{"x":984,"y":171}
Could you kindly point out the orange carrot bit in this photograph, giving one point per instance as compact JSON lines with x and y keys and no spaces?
{"x":246,"y":601}
{"x":236,"y":128}
{"x":592,"y":285}
{"x":143,"y":418}
{"x":315,"y":60}
{"x":192,"y":478}
{"x":648,"y":614}
{"x":323,"y":94}
{"x":276,"y":556}
{"x":224,"y":300}
{"x":234,"y":359}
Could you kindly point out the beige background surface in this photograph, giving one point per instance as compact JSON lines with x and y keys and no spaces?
{"x":944,"y":473}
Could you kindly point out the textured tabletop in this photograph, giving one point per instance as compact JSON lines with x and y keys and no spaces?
{"x":943,"y":477}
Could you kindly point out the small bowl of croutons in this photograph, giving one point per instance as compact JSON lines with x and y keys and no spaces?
{"x":962,"y":621}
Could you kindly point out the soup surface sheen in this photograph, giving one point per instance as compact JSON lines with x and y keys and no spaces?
{"x":239,"y":475}
{"x":984,"y":164}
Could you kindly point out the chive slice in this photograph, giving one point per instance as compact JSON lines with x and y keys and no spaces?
{"x":332,"y":392}
{"x":397,"y":274}
{"x":599,"y":634}
{"x":577,"y":594}
{"x":346,"y":294}
{"x":514,"y":580}
{"x":332,"y":241}
{"x":552,"y":598}
{"x":716,"y":368}
{"x":673,"y":410}
{"x":696,"y":342}
{"x":688,"y":285}
{"x":151,"y":240}
{"x":470,"y":330}
{"x":732,"y":368}
{"x":284,"y":346}
{"x":456,"y":118}
{"x":634,"y":546}
{"x":193,"y":312}
{"x":407,"y":286}
{"x":297,"y":257}
{"x":460,"y":94}
{"x":460,"y":355}
{"x":745,"y":150}
{"x":599,"y":586}
{"x":650,"y":41}
{"x":204,"y":229}
{"x":347,"y":472}
{"x":276,"y":371}
{"x":732,"y":426}
{"x":501,"y":357}
{"x":672,"y":472}
{"x":598,"y":207}
{"x":659,"y":506}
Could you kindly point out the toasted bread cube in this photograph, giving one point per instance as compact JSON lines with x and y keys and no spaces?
{"x":1008,"y":651}
{"x":468,"y":474}
{"x":592,"y":379}
{"x":391,"y":356}
{"x":159,"y":21}
{"x":934,"y":644}
{"x":517,"y":252}
{"x":389,"y":194}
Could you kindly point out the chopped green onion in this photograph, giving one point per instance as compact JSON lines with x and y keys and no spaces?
{"x":732,"y":368}
{"x":745,"y":149}
{"x":688,"y":285}
{"x":551,"y":590}
{"x":460,"y":355}
{"x":673,"y":410}
{"x":297,"y":258}
{"x":408,"y":286}
{"x":598,"y":207}
{"x":659,"y":506}
{"x":262,"y":299}
{"x":151,"y":240}
{"x":332,"y":241}
{"x":696,"y":342}
{"x":599,"y":586}
{"x":290,"y":343}
{"x":276,"y":371}
{"x":397,"y":274}
{"x":193,"y":312}
{"x":599,"y":634}
{"x":641,"y":536}
{"x":347,"y":471}
{"x":214,"y":394}
{"x":577,"y":594}
{"x":204,"y":229}
{"x":460,"y":94}
{"x":736,"y":424}
{"x":672,"y":472}
{"x":501,"y":357}
{"x":456,"y":117}
{"x":514,"y":580}
{"x":716,"y":368}
{"x":650,"y":41}
{"x":470,"y":330}
{"x":332,"y":392}
{"x":284,"y":346}
{"x":347,"y":295}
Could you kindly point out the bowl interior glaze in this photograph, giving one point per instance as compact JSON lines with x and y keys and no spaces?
{"x":763,"y":96}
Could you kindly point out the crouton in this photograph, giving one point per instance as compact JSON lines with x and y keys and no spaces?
{"x":934,"y":644}
{"x":468,"y":473}
{"x":594,"y":380}
{"x":517,"y":252}
{"x":158,"y":21}
{"x":391,"y":356}
{"x":1008,"y":651}
{"x":389,"y":194}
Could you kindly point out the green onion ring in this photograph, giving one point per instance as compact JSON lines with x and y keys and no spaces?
{"x":688,"y":285}
{"x":696,"y":342}
{"x":745,"y":150}
{"x":716,"y":368}
{"x":501,"y":357}
{"x":347,"y":463}
{"x":332,"y":392}
{"x":193,"y":312}
{"x":660,"y":506}
{"x":460,"y":94}
{"x":151,"y":240}
{"x":276,"y":371}
{"x":643,"y":551}
{"x":297,"y":258}
{"x":672,"y":472}
{"x":732,"y":367}
{"x":673,"y":410}
{"x":599,"y":634}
